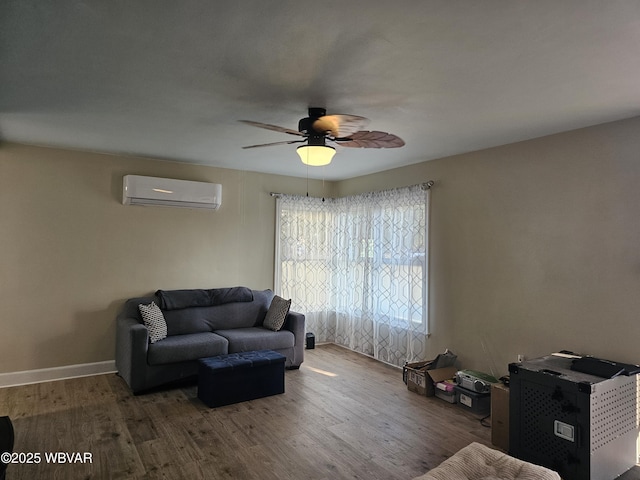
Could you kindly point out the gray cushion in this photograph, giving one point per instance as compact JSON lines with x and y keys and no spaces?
{"x":227,"y":316}
{"x":257,"y":338}
{"x":183,"y":348}
{"x":177,"y":299}
{"x":277,"y":313}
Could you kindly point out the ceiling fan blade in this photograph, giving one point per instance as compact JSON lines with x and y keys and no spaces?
{"x":340,"y":125}
{"x":371,"y":139}
{"x":275,"y":128}
{"x":287,"y":142}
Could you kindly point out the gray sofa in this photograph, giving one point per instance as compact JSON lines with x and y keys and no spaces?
{"x":198,"y":331}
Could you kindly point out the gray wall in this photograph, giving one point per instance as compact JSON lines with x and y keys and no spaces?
{"x":535,"y":246}
{"x":71,"y":253}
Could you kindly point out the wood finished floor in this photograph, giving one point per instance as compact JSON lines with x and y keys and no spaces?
{"x":343,"y":416}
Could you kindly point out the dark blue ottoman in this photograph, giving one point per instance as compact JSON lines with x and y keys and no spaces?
{"x":238,"y":377}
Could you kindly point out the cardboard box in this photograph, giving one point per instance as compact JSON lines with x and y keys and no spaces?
{"x":416,"y":377}
{"x":413,"y":366}
{"x":421,"y":380}
{"x":500,"y":416}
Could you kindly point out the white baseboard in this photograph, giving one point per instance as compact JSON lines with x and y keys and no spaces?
{"x":14,"y":379}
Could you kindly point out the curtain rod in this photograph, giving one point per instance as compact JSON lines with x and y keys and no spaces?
{"x":425,"y":186}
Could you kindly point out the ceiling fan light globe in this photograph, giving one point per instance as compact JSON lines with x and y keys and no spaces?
{"x":316,"y":155}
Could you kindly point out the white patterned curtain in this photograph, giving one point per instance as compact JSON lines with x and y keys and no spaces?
{"x":357,"y":268}
{"x":303,"y":264}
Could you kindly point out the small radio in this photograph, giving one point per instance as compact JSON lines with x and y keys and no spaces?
{"x":475,"y":381}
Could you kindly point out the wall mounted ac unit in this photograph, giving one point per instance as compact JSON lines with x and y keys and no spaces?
{"x":168,"y":192}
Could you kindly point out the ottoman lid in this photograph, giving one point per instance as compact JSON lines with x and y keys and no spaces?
{"x":242,"y":360}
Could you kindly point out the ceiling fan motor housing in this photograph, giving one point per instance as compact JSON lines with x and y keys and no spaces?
{"x":317,"y":112}
{"x":305,"y":124}
{"x":313,"y":137}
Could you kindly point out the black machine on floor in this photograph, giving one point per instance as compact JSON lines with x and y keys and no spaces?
{"x":577,"y":417}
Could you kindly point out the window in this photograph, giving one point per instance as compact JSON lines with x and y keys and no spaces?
{"x":357,"y":267}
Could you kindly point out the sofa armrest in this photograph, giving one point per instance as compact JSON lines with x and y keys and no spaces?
{"x":132,"y":344}
{"x":294,"y":322}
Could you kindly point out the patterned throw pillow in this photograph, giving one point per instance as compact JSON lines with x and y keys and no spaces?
{"x":154,"y":321}
{"x":277,"y":313}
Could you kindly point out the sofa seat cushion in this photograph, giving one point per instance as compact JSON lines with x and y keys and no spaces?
{"x":257,"y":338}
{"x":184,"y":348}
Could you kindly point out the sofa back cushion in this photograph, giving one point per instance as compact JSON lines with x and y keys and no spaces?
{"x":207,"y":319}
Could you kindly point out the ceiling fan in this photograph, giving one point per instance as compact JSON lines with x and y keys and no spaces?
{"x":321,"y":132}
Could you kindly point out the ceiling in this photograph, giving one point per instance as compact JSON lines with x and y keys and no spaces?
{"x":170,"y":80}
